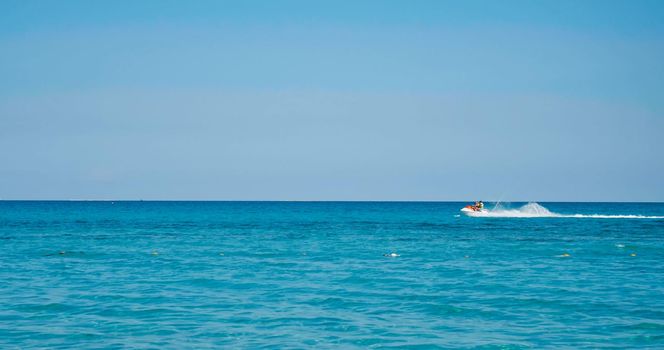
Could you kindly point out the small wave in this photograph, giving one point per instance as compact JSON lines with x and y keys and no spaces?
{"x":535,"y":210}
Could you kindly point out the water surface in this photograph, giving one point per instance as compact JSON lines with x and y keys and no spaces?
{"x":316,"y":275}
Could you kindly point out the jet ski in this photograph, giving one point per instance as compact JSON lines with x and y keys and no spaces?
{"x":473,"y":210}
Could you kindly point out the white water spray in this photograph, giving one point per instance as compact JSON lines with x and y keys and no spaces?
{"x":535,"y":210}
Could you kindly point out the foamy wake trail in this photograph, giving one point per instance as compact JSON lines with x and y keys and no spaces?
{"x":534,"y":210}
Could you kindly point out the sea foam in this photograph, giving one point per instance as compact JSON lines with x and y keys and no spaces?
{"x":535,"y":210}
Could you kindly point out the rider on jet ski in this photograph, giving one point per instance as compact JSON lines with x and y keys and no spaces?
{"x":479,"y":205}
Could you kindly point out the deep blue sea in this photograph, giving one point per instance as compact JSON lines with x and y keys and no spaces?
{"x":330,"y":275}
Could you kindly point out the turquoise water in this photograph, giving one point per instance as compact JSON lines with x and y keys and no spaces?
{"x":315,"y":275}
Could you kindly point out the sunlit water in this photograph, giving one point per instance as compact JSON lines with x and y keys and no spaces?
{"x":329,"y":275}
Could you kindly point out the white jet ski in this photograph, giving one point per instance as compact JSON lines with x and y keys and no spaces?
{"x":472,"y":210}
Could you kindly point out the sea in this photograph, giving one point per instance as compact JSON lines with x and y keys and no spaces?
{"x":330,"y":275}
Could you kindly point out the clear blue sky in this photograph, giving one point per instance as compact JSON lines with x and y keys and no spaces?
{"x":332,"y":100}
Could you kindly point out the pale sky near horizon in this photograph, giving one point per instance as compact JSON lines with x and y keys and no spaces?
{"x":332,"y":100}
